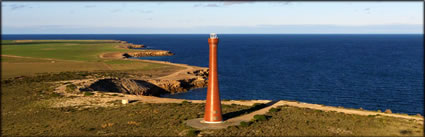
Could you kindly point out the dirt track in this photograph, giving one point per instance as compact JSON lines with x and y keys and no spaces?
{"x":176,"y":75}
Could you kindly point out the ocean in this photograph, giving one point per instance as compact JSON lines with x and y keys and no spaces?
{"x":360,"y":70}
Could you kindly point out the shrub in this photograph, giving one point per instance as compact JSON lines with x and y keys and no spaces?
{"x":185,"y":102}
{"x":388,"y":111}
{"x":88,"y":93}
{"x":245,"y":124}
{"x":258,"y":105}
{"x":260,"y":118}
{"x":55,"y":95}
{"x":70,"y":88}
{"x":406,"y":132}
{"x":192,"y":132}
{"x":273,"y":110}
{"x":91,"y":129}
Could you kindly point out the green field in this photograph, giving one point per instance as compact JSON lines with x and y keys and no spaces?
{"x":63,"y":50}
{"x":41,"y":56}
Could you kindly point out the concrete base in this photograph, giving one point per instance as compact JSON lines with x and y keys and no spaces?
{"x":218,"y":122}
{"x":199,"y":123}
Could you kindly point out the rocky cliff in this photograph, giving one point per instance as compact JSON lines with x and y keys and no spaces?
{"x":148,"y":87}
{"x":146,"y":53}
{"x":131,"y":46}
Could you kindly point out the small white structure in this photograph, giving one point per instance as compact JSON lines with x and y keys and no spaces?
{"x":213,"y":36}
{"x":124,"y":101}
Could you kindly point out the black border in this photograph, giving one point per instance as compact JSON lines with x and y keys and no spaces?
{"x":213,"y":0}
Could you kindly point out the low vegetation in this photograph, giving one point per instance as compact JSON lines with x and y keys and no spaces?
{"x":23,"y":115}
{"x":70,"y":88}
{"x":185,"y":102}
{"x":273,"y":110}
{"x":192,"y":133}
{"x":88,"y":93}
{"x":59,"y":56}
{"x":245,"y":124}
{"x":75,"y":50}
{"x":260,"y":118}
{"x":293,"y":121}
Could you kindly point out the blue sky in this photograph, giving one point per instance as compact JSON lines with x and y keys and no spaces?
{"x":205,"y":17}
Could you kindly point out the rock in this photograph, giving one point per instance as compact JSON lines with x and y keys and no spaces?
{"x":171,"y":86}
{"x":128,"y":86}
{"x":388,"y":111}
{"x":124,"y":101}
{"x":201,"y":73}
{"x":200,"y":82}
{"x":130,"y":46}
{"x":145,"y":87}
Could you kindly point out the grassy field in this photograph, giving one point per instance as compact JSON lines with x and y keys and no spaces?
{"x":41,"y":56}
{"x":65,"y":50}
{"x":293,"y":121}
{"x":23,"y":113}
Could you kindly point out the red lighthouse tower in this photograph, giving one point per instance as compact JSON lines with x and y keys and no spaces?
{"x":213,"y":104}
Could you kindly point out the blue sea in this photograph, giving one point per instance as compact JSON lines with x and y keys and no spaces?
{"x":368,"y":71}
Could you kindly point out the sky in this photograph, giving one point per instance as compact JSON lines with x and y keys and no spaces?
{"x":206,"y":17}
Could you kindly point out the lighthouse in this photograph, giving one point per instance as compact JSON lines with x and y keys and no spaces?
{"x":213,"y":105}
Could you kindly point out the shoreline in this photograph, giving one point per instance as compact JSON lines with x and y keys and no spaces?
{"x":188,"y":68}
{"x":190,"y":77}
{"x":101,"y":102}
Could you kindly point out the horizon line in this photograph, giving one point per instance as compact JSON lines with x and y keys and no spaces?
{"x":223,"y":33}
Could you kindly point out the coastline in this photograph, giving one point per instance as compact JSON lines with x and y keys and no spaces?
{"x":187,"y":74}
{"x":180,"y":81}
{"x":190,"y":77}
